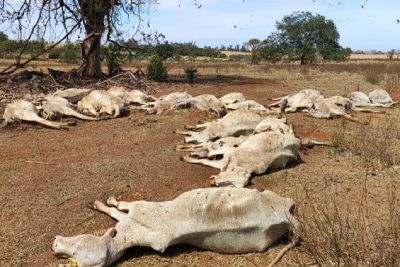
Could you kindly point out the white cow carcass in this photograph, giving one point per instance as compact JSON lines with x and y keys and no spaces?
{"x":134,"y":97}
{"x":304,"y":99}
{"x":56,"y":107}
{"x":232,"y":98}
{"x":236,"y":123}
{"x":22,"y":110}
{"x":335,"y":107}
{"x":209,"y":148}
{"x":380,"y":96}
{"x":247,"y":105}
{"x":208,"y":103}
{"x":218,"y":147}
{"x":360,"y":99}
{"x":73,"y":95}
{"x":167,"y":103}
{"x":257,"y":154}
{"x":101,"y":103}
{"x":226,"y":220}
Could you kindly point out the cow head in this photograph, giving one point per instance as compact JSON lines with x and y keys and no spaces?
{"x":219,"y":108}
{"x":86,"y":108}
{"x":237,"y":177}
{"x":197,"y":137}
{"x":87,"y":250}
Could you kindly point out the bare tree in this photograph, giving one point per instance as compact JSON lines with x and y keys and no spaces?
{"x":66,"y":18}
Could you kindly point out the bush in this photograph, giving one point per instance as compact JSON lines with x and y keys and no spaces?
{"x":240,"y":58}
{"x":390,"y":54}
{"x":3,"y":37}
{"x":178,"y":58}
{"x":71,"y":55}
{"x":191,"y":74}
{"x":391,"y":82}
{"x":55,"y":54}
{"x":156,"y":70}
{"x":373,"y":76}
{"x":112,"y":56}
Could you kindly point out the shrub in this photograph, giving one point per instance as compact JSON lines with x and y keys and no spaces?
{"x":113,"y":59}
{"x":3,"y":37}
{"x":156,"y":70}
{"x":390,"y":54}
{"x":191,"y":74}
{"x":373,"y":76}
{"x":71,"y":55}
{"x":55,"y":54}
{"x":178,"y":58}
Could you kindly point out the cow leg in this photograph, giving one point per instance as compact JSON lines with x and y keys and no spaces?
{"x":365,"y":110}
{"x":309,"y":143}
{"x":276,"y":104}
{"x":117,"y":111}
{"x":196,"y":127}
{"x":351,"y":118}
{"x":120,"y":205}
{"x":291,"y":110}
{"x":187,"y":133}
{"x":218,"y":164}
{"x":188,"y":147}
{"x":112,"y":212}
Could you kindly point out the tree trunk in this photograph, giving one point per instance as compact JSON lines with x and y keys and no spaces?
{"x":93,"y":13}
{"x":91,"y":56}
{"x":303,"y":59}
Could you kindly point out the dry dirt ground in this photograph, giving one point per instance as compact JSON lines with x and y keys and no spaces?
{"x":49,"y":177}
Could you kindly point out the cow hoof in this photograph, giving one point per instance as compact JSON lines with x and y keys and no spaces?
{"x":96,"y":204}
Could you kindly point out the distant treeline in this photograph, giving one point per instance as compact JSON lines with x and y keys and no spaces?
{"x":71,"y":52}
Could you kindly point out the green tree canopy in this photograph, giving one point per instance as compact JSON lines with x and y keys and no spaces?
{"x":254,"y":45}
{"x":304,"y":36}
{"x":3,"y":37}
{"x":272,"y":49}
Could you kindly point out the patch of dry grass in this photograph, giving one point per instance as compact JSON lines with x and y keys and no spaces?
{"x":376,"y":143}
{"x":339,"y":232}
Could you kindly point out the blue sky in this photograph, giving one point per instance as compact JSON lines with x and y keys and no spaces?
{"x":372,"y":27}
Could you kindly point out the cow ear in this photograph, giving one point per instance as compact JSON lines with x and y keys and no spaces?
{"x":111,"y":232}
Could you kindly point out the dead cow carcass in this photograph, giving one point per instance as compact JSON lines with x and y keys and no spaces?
{"x":335,"y":107}
{"x":304,"y":99}
{"x":258,"y":153}
{"x":232,"y":98}
{"x":73,"y":95}
{"x":56,"y":107}
{"x":235,"y":123}
{"x":134,"y":97}
{"x":167,"y":103}
{"x":208,"y":103}
{"x":380,"y":96}
{"x":101,"y":103}
{"x":22,"y":110}
{"x":227,"y":220}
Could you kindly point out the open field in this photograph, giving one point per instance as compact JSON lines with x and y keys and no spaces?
{"x":352,"y":56}
{"x":347,"y":196}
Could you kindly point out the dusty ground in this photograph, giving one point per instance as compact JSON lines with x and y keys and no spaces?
{"x":132,"y":158}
